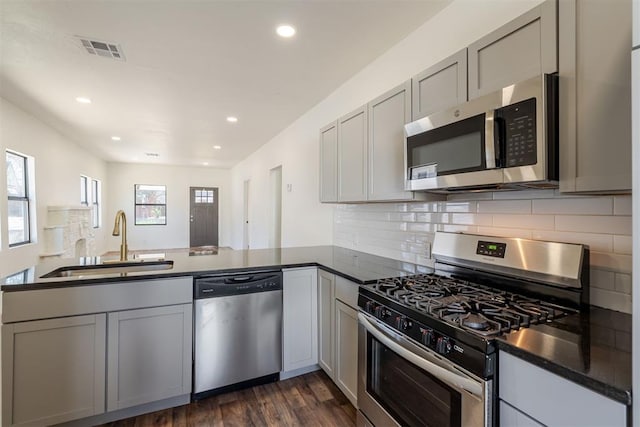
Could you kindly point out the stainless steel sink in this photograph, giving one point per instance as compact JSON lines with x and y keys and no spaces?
{"x":112,"y":268}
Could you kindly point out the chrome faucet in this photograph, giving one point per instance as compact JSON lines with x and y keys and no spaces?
{"x":116,"y":232}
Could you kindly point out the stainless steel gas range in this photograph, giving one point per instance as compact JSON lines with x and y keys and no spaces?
{"x":426,"y":351}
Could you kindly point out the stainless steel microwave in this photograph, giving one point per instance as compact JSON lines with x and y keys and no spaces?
{"x":507,"y":139}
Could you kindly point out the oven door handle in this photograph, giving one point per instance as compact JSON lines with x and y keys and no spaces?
{"x":451,"y":378}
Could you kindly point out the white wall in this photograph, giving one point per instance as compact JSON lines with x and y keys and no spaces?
{"x":305,"y":221}
{"x":59,"y":162}
{"x":123,"y":176}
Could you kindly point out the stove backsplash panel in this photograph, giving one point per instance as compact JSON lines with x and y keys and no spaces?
{"x":405,"y":231}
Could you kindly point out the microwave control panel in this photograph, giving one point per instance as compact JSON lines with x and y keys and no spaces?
{"x":519,"y":133}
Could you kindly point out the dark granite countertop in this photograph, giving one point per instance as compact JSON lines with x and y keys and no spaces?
{"x":357,"y":266}
{"x":592,"y":348}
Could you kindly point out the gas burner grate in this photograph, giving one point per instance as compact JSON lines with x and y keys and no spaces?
{"x":473,"y":307}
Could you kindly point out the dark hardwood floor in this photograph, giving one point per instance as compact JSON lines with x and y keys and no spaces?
{"x":308,"y":400}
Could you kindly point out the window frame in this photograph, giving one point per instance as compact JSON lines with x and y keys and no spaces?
{"x":96,"y":199}
{"x":136,"y":204}
{"x":26,"y":198}
{"x":84,"y":190}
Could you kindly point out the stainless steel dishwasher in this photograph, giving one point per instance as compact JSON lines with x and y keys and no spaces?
{"x":238,"y":331}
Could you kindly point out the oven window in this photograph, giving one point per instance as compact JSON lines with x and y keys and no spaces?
{"x":412,"y":396}
{"x":458,"y":147}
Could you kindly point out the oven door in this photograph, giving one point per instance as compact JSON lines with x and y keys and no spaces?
{"x":402,"y":383}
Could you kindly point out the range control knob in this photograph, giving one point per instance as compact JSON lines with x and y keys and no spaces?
{"x":443,"y":346}
{"x":428,"y":337}
{"x":381,"y":312}
{"x":370,"y":307}
{"x":406,"y":324}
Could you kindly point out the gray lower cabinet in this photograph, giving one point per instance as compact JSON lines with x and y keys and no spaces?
{"x":561,"y":402}
{"x":326,"y":321}
{"x":525,"y":47}
{"x":352,"y":156}
{"x":299,"y":321}
{"x":53,"y":370}
{"x":329,"y":163}
{"x":595,"y":95}
{"x":149,"y":355}
{"x":77,"y":366}
{"x":338,"y":332}
{"x":346,"y":373}
{"x":511,"y":417}
{"x":441,"y":86}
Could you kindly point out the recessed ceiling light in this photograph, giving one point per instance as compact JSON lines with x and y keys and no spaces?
{"x":217,"y":147}
{"x":116,"y":138}
{"x":83,"y":100}
{"x":206,"y":163}
{"x":232,"y":119}
{"x":285,"y":31}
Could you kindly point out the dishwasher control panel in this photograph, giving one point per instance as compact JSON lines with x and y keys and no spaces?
{"x":237,"y":284}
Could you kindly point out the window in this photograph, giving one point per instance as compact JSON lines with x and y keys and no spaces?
{"x":204,"y":196}
{"x":18,"y":203}
{"x":84,"y":190}
{"x":151,"y":204}
{"x":96,"y":196}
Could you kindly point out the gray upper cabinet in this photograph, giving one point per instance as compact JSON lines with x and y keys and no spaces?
{"x":523,"y":48}
{"x":352,"y":156}
{"x":440,"y":86}
{"x":387,"y":115}
{"x":595,"y":95}
{"x":329,"y":163}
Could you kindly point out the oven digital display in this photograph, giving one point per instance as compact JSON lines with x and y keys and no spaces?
{"x":491,"y":249}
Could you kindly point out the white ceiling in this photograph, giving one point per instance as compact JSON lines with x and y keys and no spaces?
{"x":189,"y":65}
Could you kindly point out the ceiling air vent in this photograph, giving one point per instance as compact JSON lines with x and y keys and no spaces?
{"x":102,"y":48}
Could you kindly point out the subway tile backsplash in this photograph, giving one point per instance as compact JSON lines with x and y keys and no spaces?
{"x":405,"y":231}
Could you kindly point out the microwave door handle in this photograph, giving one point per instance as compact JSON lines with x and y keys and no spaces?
{"x":491,"y":149}
{"x":451,"y":378}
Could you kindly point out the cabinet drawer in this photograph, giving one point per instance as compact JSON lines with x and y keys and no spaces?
{"x":552,"y":399}
{"x":347,"y":292}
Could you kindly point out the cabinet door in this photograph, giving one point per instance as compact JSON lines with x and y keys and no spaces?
{"x":326,"y":286}
{"x":520,"y":383}
{"x":329,"y":163}
{"x":636,"y":23}
{"x":352,"y":156}
{"x":595,"y":96}
{"x":300,"y":318}
{"x":149,"y":355}
{"x":441,"y":86}
{"x":511,"y":417}
{"x":346,"y":374}
{"x":387,"y":116}
{"x":53,"y":371}
{"x":525,"y":47}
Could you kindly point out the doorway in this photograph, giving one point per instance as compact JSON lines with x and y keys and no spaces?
{"x":203,"y":220}
{"x":245,"y":217}
{"x":275,"y":194}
